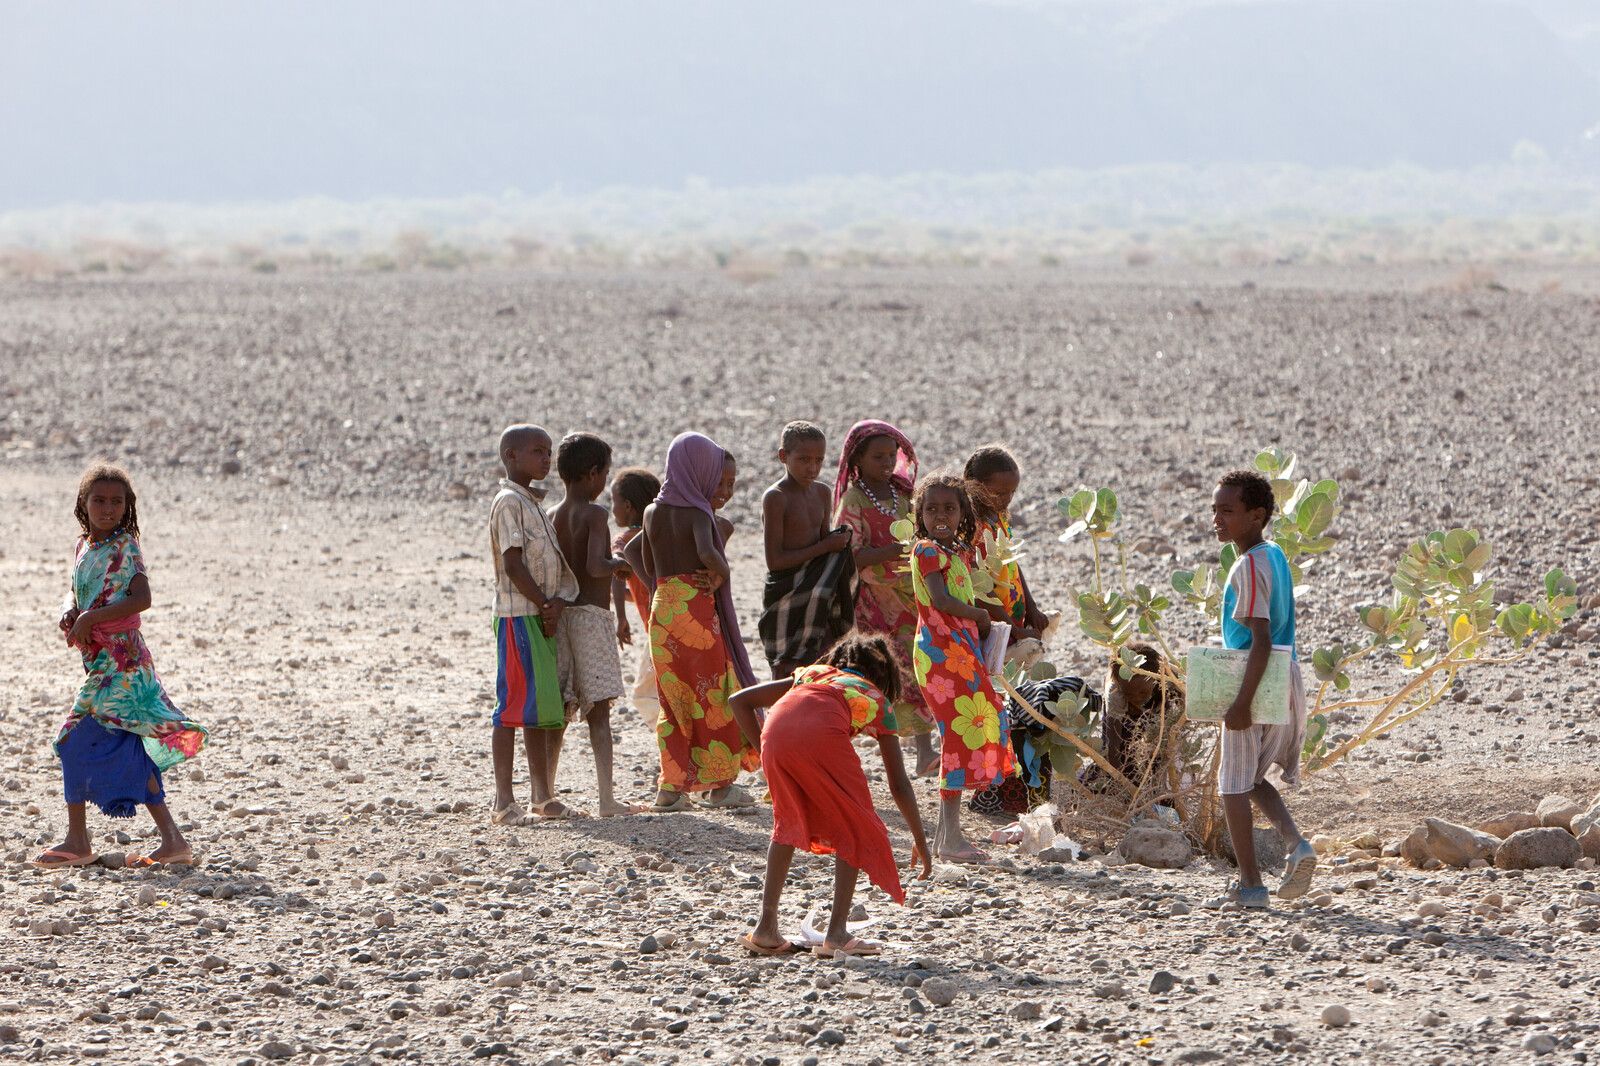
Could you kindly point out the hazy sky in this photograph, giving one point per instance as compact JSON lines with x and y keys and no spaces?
{"x":188,"y":101}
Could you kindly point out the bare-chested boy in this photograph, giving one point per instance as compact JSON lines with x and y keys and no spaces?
{"x":586,"y":636}
{"x":806,"y":605}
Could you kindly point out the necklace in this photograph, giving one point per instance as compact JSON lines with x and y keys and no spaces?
{"x":894,"y":493}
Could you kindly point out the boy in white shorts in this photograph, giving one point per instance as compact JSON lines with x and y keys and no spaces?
{"x":1258,"y":616}
{"x":586,"y":636}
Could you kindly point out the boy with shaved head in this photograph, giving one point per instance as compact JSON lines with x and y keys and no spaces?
{"x":532,"y":586}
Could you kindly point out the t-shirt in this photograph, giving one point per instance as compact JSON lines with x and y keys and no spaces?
{"x":1260,"y":585}
{"x":517,"y":521}
{"x":870,"y":712}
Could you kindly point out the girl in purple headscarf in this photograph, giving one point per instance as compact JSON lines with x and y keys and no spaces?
{"x":695,"y":644}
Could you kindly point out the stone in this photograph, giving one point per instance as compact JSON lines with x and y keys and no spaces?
{"x":511,"y":979}
{"x":383,"y":919}
{"x":1430,"y":1019}
{"x":1590,"y":843}
{"x":1457,"y":845}
{"x":377,"y":877}
{"x":1558,"y":811}
{"x":1322,"y":843}
{"x":213,"y":962}
{"x":1054,"y":854}
{"x":830,"y":1037}
{"x":1026,"y":1011}
{"x":1335,"y":1016}
{"x":1162,"y":982}
{"x":1539,"y":1043}
{"x":649,"y":945}
{"x":941,"y":991}
{"x":1194,"y":1054}
{"x":1414,"y":848}
{"x":1432,"y":908}
{"x":1161,"y":849}
{"x":9,"y":1034}
{"x":1270,"y":850}
{"x":275,"y":1049}
{"x":1534,"y":848}
{"x":147,"y":895}
{"x":1503,"y":825}
{"x":113,"y":860}
{"x":1299,"y":942}
{"x":1588,"y":819}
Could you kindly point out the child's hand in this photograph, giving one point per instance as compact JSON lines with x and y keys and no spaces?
{"x":838,"y":540}
{"x":624,"y":632}
{"x":984,"y":625}
{"x":621,"y":569}
{"x":709,"y":580}
{"x":919,"y":857}
{"x":67,"y":619}
{"x":81,"y":634}
{"x":1036,"y":620}
{"x":1238,"y":716}
{"x":550,"y":614}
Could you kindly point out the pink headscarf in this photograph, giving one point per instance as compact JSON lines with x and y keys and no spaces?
{"x":694,"y":470}
{"x":904,"y":477}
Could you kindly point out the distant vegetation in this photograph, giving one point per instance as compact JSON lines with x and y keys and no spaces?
{"x":1527,"y":211}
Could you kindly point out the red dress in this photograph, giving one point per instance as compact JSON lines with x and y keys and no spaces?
{"x":820,"y":799}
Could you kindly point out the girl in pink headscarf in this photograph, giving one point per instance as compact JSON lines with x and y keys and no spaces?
{"x":877,"y":475}
{"x":695,"y":644}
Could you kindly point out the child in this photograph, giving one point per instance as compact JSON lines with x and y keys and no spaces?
{"x":586,"y":636}
{"x":1133,"y":705}
{"x":532,"y":586}
{"x":974,"y":748}
{"x":806,"y":604}
{"x":632,"y":490}
{"x":820,"y":798}
{"x":877,"y":474}
{"x":724,"y":493}
{"x":122,"y":732}
{"x":694,"y":634}
{"x":1258,"y":614}
{"x":992,"y":479}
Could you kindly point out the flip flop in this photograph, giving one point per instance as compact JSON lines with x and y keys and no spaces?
{"x":543,"y":810}
{"x":856,"y":946}
{"x":140,"y":862}
{"x":632,"y":809}
{"x":680,"y":802}
{"x":736,"y":797}
{"x":789,"y":947}
{"x":512,"y":815}
{"x":44,"y":862}
{"x":966,"y":858}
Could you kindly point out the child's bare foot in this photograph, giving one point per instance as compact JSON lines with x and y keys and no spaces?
{"x":617,"y":809}
{"x":969,"y":855}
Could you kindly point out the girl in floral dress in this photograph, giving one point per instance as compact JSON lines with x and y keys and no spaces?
{"x":993,"y":477}
{"x":877,"y":475}
{"x":820,"y":798}
{"x":974,"y":748}
{"x":123,"y":731}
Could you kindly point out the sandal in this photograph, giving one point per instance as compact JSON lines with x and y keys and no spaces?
{"x":543,"y":810}
{"x":789,"y":947}
{"x":63,"y":859}
{"x":971,"y":857}
{"x":512,"y":815}
{"x":856,"y":946}
{"x":736,"y":797}
{"x":143,"y":862}
{"x":680,"y":802}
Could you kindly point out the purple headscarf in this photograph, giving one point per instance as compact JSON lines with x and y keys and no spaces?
{"x":694,"y":470}
{"x":904,"y":477}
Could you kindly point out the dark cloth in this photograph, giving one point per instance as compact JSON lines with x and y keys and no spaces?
{"x":806,"y":609}
{"x":109,"y":768}
{"x":1031,"y":788}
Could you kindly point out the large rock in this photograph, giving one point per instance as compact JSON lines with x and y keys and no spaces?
{"x":1533,"y":848}
{"x":1503,"y":825}
{"x":1270,"y":850}
{"x":1414,"y":848}
{"x":1589,"y":818}
{"x":1163,"y":849}
{"x":1457,"y":845}
{"x":1590,"y":842}
{"x":1558,"y":811}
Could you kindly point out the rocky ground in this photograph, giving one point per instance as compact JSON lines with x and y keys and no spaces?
{"x":314,"y":457}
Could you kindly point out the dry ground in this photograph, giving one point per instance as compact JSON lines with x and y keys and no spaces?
{"x":324,"y":610}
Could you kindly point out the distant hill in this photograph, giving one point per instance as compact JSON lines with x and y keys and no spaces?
{"x":362,"y":99}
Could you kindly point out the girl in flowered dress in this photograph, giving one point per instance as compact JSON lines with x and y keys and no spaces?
{"x":123,"y":731}
{"x":974,"y":750}
{"x":993,"y":477}
{"x":877,"y":475}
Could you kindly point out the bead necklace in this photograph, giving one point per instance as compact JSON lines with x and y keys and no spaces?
{"x":892,"y":509}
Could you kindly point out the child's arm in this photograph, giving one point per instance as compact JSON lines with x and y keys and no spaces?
{"x":874,"y":556}
{"x":705,"y":546}
{"x":941,"y":600}
{"x":1255,"y":668}
{"x":1034,"y":618}
{"x":904,"y":798}
{"x":619,"y":603}
{"x":522,"y":578}
{"x":743,"y":704}
{"x":637,"y":552}
{"x":601,"y":562}
{"x":136,"y":601}
{"x":774,"y":509}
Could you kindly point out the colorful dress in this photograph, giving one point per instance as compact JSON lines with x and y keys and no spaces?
{"x":974,"y":746}
{"x":1008,"y":583}
{"x":885,"y":602}
{"x":645,"y":700}
{"x":123,"y":730}
{"x":820,"y":799}
{"x":701,"y":745}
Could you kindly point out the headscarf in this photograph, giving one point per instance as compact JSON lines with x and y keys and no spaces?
{"x":694,"y":470}
{"x":904,"y":477}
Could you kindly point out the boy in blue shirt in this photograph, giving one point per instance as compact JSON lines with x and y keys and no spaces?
{"x":1258,"y":615}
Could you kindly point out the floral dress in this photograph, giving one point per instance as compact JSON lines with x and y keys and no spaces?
{"x":885,"y":602}
{"x":121,"y":693}
{"x":948,"y":659}
{"x":1008,"y":583}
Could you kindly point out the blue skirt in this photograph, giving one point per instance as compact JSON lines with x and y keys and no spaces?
{"x":109,"y":768}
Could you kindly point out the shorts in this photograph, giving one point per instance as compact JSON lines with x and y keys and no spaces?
{"x":1249,"y":754}
{"x":527,"y":681}
{"x":589,"y":663}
